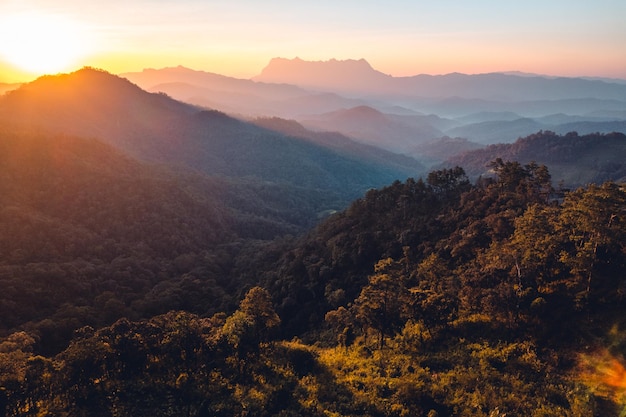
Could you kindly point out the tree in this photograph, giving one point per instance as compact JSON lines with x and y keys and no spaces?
{"x":592,"y":222}
{"x":252,"y":323}
{"x":383,"y":302}
{"x":449,"y":182}
{"x":531,"y":180}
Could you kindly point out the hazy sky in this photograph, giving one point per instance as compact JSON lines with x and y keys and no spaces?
{"x":239,"y":37}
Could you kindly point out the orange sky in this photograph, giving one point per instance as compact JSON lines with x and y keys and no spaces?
{"x":239,"y":37}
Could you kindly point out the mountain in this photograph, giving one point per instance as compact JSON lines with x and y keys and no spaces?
{"x":434,"y":152}
{"x":340,"y":143}
{"x":149,"y":79}
{"x":488,"y":116}
{"x":507,"y":131}
{"x":340,"y":76}
{"x":573,"y":159}
{"x":370,"y":126}
{"x":500,"y":131}
{"x":358,"y":77}
{"x":236,"y":96}
{"x":93,"y":103}
{"x":153,"y":127}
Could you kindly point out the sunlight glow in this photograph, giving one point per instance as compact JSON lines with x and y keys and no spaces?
{"x":41,"y":43}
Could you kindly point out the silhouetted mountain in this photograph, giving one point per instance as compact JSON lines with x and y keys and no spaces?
{"x":93,"y":103}
{"x":359,"y":77}
{"x":338,"y":76}
{"x":370,"y":126}
{"x":488,"y":116}
{"x":496,"y":131}
{"x":237,"y":96}
{"x":341,"y":143}
{"x":574,"y":159}
{"x":149,"y":79}
{"x":589,"y":127}
{"x":154,"y":127}
{"x":507,"y":131}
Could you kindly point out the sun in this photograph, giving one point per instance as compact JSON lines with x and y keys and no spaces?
{"x":42,"y":44}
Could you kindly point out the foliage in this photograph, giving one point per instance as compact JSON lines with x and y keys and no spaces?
{"x":480,"y":298}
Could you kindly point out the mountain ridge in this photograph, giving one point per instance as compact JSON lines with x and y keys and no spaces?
{"x":156,"y":128}
{"x":358,"y":77}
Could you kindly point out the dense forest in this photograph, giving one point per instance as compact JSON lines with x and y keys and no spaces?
{"x":429,"y":297}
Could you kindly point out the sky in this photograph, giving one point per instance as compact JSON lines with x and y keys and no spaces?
{"x":239,"y":37}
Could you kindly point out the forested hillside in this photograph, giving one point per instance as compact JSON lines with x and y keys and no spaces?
{"x":89,"y":235}
{"x":573,"y":159}
{"x":427,"y":297}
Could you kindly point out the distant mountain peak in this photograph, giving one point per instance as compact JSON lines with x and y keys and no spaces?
{"x":342,"y":75}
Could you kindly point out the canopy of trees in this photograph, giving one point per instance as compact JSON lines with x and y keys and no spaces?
{"x":427,"y":297}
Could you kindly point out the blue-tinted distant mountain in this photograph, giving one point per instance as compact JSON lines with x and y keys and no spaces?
{"x":501,"y":131}
{"x":589,"y":127}
{"x":507,"y":131}
{"x":488,"y":116}
{"x":562,"y":118}
{"x":433,"y":153}
{"x":370,"y":126}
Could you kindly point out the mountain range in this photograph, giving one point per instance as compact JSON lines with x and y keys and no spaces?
{"x":359,"y":78}
{"x":403,"y":114}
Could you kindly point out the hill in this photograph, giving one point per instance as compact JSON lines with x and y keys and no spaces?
{"x":575,"y":159}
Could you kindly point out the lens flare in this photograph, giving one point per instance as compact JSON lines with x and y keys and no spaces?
{"x":605,"y":375}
